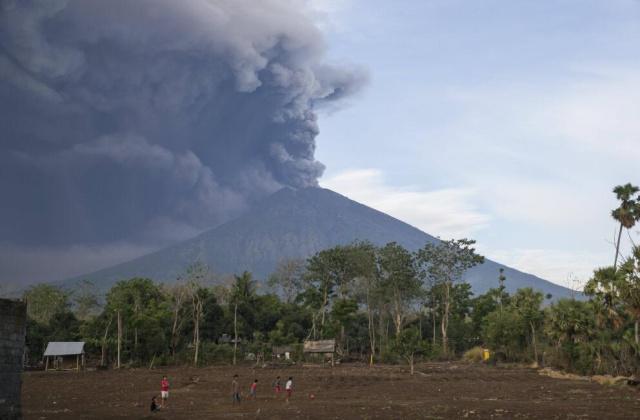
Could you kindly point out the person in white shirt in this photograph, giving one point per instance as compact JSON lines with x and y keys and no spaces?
{"x":289,"y":388}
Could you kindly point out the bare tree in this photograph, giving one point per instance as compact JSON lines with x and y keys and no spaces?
{"x":103,"y":352}
{"x":197,"y":275}
{"x":288,"y":278}
{"x":178,"y":295}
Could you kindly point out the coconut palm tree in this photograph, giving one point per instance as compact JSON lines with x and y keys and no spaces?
{"x":627,"y":213}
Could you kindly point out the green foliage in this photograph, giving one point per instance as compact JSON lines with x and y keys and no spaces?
{"x":408,"y":344}
{"x":444,"y":264}
{"x":44,"y":301}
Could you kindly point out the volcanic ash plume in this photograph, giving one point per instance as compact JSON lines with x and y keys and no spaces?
{"x":150,"y":120}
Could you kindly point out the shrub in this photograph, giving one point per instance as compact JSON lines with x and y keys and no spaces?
{"x":474,"y":354}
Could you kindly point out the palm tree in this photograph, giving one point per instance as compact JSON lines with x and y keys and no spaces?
{"x":242,"y":293}
{"x":628,"y":212}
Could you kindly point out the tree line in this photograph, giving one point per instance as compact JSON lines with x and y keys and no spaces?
{"x":380,"y":303}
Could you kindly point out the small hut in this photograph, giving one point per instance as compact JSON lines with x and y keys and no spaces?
{"x":281,"y":352}
{"x":65,"y":355}
{"x":324,"y":347}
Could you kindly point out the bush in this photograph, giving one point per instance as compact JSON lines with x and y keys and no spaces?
{"x":473,"y":355}
{"x":218,"y":353}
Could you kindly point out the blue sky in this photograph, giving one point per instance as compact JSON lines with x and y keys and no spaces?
{"x":505,"y":121}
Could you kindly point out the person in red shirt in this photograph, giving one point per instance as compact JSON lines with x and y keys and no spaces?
{"x":164,"y":391}
{"x":253,"y":390}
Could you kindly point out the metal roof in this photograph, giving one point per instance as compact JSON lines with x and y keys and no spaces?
{"x":64,"y":348}
{"x":322,"y":346}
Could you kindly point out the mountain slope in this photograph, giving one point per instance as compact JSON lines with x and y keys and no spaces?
{"x":296,"y":223}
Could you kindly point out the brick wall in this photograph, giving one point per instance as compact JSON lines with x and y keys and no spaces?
{"x":13,"y":318}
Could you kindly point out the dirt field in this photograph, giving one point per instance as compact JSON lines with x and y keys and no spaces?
{"x":438,"y":390}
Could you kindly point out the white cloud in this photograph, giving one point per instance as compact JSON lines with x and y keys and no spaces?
{"x":548,"y":203}
{"x":599,"y":112}
{"x":447,"y":213}
{"x":569,"y":269}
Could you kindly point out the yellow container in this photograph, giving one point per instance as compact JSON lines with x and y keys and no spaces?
{"x":485,"y":355}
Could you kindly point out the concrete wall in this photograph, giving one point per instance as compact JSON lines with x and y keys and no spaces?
{"x":13,"y":319}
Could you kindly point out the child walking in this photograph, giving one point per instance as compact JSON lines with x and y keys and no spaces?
{"x":289,"y":388}
{"x":277,"y":386}
{"x":235,"y":390}
{"x":253,"y":389}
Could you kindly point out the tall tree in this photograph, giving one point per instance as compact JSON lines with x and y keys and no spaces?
{"x":242,"y":298}
{"x":138,"y":306}
{"x":328,"y":272}
{"x":287,"y":278}
{"x":196,"y":277}
{"x":629,"y":290}
{"x":176,"y":296}
{"x":368,"y":287}
{"x":44,"y":301}
{"x":399,"y":281}
{"x":85,"y":299}
{"x":445,"y":263}
{"x":527,"y":304}
{"x":501,"y":287}
{"x":627,"y":214}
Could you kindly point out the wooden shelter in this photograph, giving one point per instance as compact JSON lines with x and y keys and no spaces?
{"x":63,"y":354}
{"x":324,"y":347}
{"x":280,"y":352}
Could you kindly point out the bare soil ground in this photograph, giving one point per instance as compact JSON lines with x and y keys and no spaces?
{"x":436,"y":391}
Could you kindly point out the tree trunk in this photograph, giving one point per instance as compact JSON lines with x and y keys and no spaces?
{"x":433,"y":319}
{"x":196,"y":339}
{"x":397,"y":320}
{"x":411,"y":363}
{"x":397,"y":316}
{"x":637,"y":333}
{"x":103,"y":352}
{"x":615,"y":261}
{"x":174,"y":334}
{"x":444,"y":325}
{"x":533,"y":342}
{"x":325,"y":299}
{"x":119,"y":338}
{"x":235,"y":332}
{"x":371,"y":329}
{"x":381,"y":332}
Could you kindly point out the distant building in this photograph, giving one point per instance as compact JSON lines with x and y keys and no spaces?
{"x":324,"y":347}
{"x":64,"y":355}
{"x":282,"y":352}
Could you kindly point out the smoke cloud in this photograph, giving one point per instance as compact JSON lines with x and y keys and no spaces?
{"x":144,"y":122}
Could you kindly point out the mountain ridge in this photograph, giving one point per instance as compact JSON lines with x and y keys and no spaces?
{"x":296,"y":223}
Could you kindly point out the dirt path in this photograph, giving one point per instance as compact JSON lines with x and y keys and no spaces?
{"x":438,"y":390}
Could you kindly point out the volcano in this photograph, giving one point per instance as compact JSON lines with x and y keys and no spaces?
{"x":296,"y":223}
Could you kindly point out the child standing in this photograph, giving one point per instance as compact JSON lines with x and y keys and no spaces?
{"x":164,"y":391}
{"x":253,"y":389}
{"x":289,"y":388}
{"x":235,"y":390}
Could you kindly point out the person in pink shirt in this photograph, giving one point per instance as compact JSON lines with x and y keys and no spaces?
{"x":164,"y":391}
